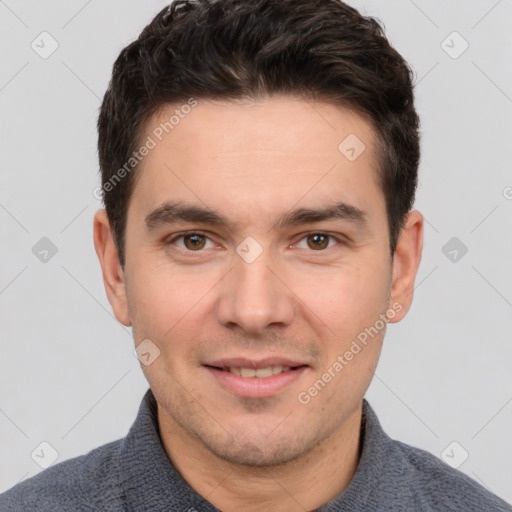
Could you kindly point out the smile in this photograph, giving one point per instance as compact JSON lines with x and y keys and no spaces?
{"x":260,"y":373}
{"x":261,"y":382}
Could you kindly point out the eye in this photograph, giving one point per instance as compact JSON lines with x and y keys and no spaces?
{"x":192,"y":241}
{"x":195,"y":241}
{"x":318,"y":241}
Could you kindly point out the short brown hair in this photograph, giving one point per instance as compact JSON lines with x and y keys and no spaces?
{"x":233,"y":49}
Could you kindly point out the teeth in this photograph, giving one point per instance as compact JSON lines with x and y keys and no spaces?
{"x":260,"y":372}
{"x":247,"y":372}
{"x":264,"y":372}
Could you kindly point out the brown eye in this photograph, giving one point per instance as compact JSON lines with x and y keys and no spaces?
{"x":191,"y":241}
{"x":194,"y":241}
{"x":318,"y":241}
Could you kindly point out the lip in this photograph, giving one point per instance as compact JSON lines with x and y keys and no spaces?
{"x":242,"y":362}
{"x":255,"y":387}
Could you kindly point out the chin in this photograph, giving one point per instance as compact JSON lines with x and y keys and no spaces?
{"x":252,"y":455}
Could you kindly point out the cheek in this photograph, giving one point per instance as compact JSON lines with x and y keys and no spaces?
{"x":163,"y":300}
{"x":346,"y":298}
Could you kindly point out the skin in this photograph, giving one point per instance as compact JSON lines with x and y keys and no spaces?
{"x":252,"y":161}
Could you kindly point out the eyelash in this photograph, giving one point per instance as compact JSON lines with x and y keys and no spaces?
{"x":171,"y":241}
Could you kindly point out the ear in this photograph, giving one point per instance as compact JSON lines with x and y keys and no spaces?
{"x":406,"y":261}
{"x":113,"y":274}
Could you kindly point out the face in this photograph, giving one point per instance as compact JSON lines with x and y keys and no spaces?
{"x":258,"y":266}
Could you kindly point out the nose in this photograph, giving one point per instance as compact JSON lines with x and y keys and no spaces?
{"x":254,"y":296}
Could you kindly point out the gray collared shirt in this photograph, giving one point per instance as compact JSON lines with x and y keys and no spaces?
{"x":135,"y":474}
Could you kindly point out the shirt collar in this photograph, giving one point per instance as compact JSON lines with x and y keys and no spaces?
{"x":151,"y":483}
{"x":149,"y":480}
{"x":375,"y":450}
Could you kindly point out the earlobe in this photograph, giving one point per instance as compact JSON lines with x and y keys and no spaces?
{"x":406,"y":261}
{"x":113,"y":274}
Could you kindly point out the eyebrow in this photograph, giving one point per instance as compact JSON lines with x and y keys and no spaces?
{"x":171,"y":213}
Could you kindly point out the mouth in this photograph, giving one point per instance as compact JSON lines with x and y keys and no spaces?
{"x":257,"y":379}
{"x":258,"y":373}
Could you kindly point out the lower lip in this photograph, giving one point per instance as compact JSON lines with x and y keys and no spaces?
{"x":256,"y":387}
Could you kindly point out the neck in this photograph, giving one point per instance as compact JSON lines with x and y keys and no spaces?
{"x":304,"y":483}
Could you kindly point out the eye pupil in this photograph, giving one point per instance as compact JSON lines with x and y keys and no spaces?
{"x":197,"y":241}
{"x":320,"y":241}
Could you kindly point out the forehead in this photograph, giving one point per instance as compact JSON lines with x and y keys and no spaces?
{"x":258,"y":155}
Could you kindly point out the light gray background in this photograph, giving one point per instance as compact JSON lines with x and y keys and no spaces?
{"x":68,"y":375}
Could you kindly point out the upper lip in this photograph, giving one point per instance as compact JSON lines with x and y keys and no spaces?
{"x":243,"y":362}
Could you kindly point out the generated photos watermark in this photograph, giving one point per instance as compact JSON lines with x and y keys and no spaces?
{"x":150,"y":143}
{"x":358,"y":344}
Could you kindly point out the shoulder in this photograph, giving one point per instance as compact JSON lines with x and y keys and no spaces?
{"x":435,"y":485}
{"x":70,"y":485}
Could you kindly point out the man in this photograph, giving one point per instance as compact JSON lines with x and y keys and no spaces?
{"x":259,"y":165}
